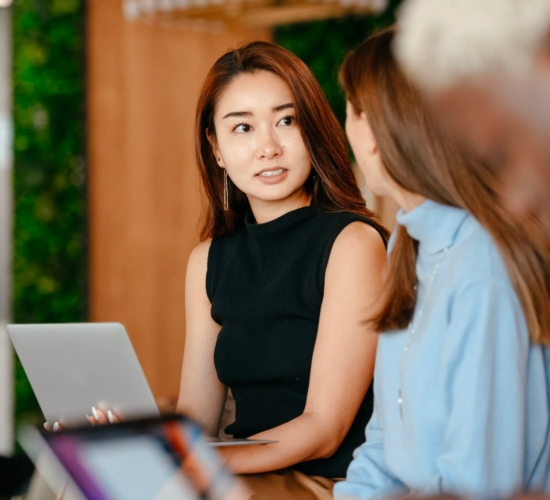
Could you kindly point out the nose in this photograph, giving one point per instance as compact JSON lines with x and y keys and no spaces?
{"x":269,"y":146}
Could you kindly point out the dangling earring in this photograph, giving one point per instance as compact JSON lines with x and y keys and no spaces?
{"x":225,"y":191}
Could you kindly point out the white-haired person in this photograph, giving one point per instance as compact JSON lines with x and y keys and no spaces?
{"x":485,"y":66}
{"x":462,"y":374}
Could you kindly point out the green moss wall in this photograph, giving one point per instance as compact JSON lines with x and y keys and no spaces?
{"x":50,"y":170}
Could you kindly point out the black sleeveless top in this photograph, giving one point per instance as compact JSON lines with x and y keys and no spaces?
{"x":265,"y":283}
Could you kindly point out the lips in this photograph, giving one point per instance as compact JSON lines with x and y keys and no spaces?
{"x":272,"y":175}
{"x":271,"y":172}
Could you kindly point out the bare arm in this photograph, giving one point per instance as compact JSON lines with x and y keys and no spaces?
{"x":343,"y":360}
{"x":202,"y":395}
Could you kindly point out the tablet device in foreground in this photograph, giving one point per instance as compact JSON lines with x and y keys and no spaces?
{"x":162,"y":459}
{"x":74,"y":366}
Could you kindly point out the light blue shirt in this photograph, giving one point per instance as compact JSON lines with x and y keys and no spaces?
{"x":474,"y":418}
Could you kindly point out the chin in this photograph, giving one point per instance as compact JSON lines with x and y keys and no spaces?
{"x":275,"y":193}
{"x":278,"y":196}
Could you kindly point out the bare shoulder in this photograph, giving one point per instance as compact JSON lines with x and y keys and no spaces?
{"x":357,"y":241}
{"x":355,"y":270}
{"x":199,"y":254}
{"x":197,"y":264}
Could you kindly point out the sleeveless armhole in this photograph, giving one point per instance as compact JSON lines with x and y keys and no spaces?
{"x":340,"y":222}
{"x":219,"y":254}
{"x":210,"y":269}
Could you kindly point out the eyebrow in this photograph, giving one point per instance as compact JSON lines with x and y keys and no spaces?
{"x":248,"y":113}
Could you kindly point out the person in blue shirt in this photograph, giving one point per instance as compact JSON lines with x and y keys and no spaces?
{"x":462,"y":377}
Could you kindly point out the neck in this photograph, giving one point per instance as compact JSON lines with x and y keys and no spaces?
{"x":408,"y":201}
{"x":268,"y":210}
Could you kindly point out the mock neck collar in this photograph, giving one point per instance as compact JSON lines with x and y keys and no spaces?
{"x":280,"y":224}
{"x":433,"y":225}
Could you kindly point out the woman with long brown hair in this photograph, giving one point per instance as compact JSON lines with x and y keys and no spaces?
{"x":463,"y":369}
{"x":289,"y":267}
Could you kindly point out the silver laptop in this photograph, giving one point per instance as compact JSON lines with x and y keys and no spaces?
{"x":74,"y":366}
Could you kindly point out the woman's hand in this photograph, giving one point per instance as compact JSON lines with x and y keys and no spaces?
{"x":102,"y":417}
{"x":99,"y":417}
{"x":55,"y":427}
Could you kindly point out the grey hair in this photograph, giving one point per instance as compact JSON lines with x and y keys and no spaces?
{"x":443,"y":43}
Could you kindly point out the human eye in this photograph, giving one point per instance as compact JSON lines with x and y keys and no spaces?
{"x":242,"y":128}
{"x":287,"y":120}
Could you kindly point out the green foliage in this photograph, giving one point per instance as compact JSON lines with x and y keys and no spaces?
{"x":50,"y":261}
{"x":322,"y":45}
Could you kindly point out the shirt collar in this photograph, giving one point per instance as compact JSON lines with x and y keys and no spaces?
{"x":433,"y":225}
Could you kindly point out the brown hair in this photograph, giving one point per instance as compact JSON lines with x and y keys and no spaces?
{"x":333,"y":188}
{"x":423,"y":158}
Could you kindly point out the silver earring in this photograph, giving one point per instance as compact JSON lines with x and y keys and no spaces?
{"x":225,"y":191}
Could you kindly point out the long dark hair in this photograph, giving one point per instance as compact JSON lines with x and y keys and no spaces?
{"x":423,"y":158}
{"x":333,"y":187}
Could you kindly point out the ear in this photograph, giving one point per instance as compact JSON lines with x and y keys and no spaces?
{"x":372,"y":146}
{"x":215,"y":149}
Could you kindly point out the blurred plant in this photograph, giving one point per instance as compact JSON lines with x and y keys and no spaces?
{"x":50,"y":257}
{"x":322,"y":45}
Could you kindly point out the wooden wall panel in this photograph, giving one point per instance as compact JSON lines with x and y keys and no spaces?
{"x":143,"y":83}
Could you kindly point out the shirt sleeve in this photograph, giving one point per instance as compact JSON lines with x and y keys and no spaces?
{"x":486,"y":359}
{"x":368,"y":476}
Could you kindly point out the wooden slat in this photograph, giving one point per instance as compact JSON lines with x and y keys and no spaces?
{"x":256,"y":14}
{"x":267,"y":17}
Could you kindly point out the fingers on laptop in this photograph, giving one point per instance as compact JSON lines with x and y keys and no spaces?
{"x":100,"y":417}
{"x":113,"y":417}
{"x":56,"y":426}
